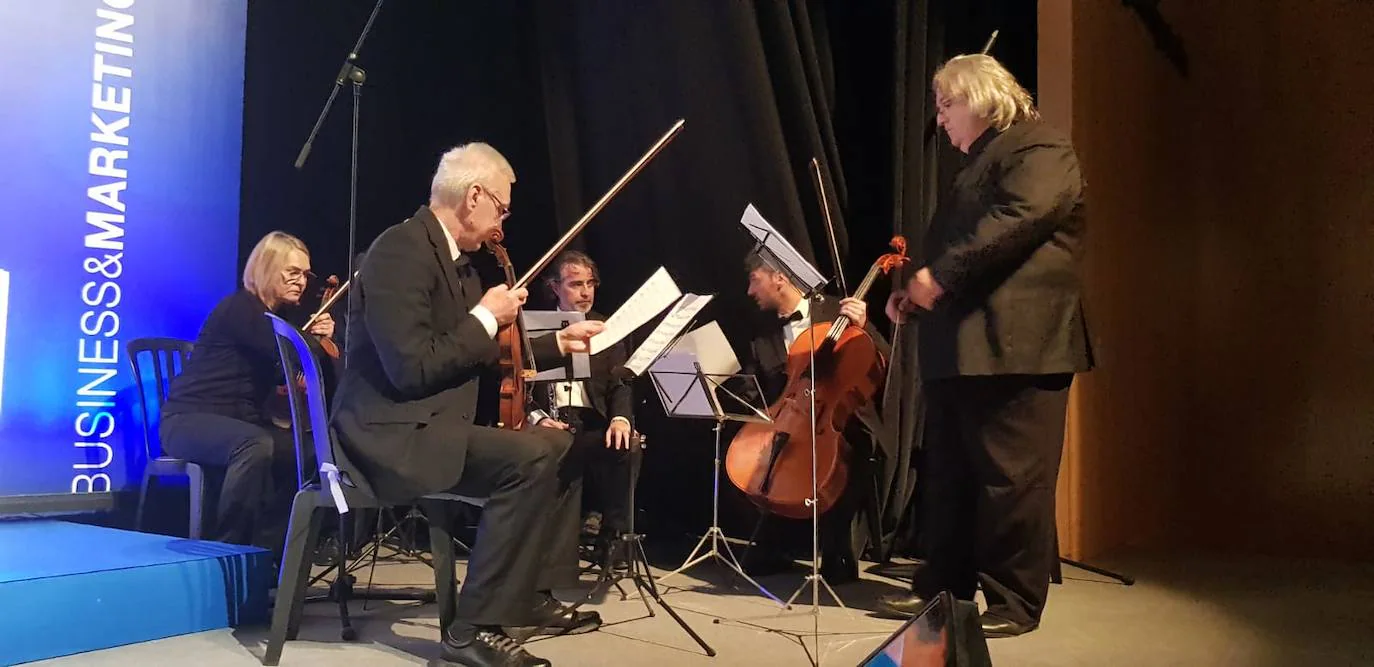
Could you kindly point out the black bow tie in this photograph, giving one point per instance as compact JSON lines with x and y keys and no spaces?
{"x":794,"y":317}
{"x":461,"y":261}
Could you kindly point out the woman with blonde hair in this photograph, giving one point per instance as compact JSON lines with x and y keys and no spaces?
{"x":214,"y":411}
{"x":1001,"y":335}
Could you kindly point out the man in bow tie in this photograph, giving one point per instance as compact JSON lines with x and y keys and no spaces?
{"x":596,"y":410}
{"x":791,"y":316}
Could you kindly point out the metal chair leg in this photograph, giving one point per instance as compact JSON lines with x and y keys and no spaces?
{"x":142,"y":501}
{"x":196,"y":478}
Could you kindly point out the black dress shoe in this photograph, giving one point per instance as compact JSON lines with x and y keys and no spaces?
{"x":487,"y":648}
{"x":554,"y":619}
{"x":839,"y":571}
{"x":901,"y":605}
{"x":996,"y":626}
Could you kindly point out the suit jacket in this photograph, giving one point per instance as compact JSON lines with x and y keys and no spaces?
{"x":415,"y":355}
{"x":608,"y":394}
{"x":1006,"y":243}
{"x":768,"y":359}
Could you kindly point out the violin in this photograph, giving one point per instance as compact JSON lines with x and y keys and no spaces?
{"x":327,"y":297}
{"x":772,"y":463}
{"x":516,"y":360}
{"x":278,"y":407}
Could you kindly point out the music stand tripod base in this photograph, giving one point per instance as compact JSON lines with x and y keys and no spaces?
{"x":631,"y":545}
{"x":714,"y":535}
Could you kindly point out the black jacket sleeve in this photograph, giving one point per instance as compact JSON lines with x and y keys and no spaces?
{"x":246,"y":325}
{"x":418,"y":359}
{"x":1036,"y":183}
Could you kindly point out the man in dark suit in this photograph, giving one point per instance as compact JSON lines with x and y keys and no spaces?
{"x":597,"y":410}
{"x":789,"y":316}
{"x":1001,"y":334}
{"x":422,"y":333}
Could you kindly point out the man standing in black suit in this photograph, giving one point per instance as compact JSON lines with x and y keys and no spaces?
{"x":791,"y":315}
{"x":597,"y":410}
{"x":422,"y":334}
{"x":1001,"y":335}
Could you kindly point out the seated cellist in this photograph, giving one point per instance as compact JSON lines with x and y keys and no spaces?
{"x":843,"y":535}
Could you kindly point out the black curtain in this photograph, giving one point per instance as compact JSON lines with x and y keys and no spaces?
{"x":573,"y":93}
{"x":764,"y":87}
{"x":439,"y":73}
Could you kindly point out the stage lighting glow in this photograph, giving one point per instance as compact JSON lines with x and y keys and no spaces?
{"x":4,"y":317}
{"x":121,"y":127}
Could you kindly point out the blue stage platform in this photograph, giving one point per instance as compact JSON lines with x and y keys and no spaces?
{"x":69,"y":588}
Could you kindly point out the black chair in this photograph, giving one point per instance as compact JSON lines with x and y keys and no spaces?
{"x":338,"y":486}
{"x":167,"y":356}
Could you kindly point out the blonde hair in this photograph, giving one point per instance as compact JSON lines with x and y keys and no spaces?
{"x":990,"y":90}
{"x":463,"y":166}
{"x":266,"y":261}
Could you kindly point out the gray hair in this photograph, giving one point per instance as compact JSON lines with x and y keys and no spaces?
{"x":990,"y":90}
{"x":462,"y":167}
{"x":267,"y":259}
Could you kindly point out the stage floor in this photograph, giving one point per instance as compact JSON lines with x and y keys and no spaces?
{"x":1183,"y":611}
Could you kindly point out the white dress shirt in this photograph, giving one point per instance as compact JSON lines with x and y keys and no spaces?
{"x":479,"y":311}
{"x":791,"y":330}
{"x":570,"y":394}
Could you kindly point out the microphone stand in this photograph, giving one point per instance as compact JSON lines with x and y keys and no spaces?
{"x":348,"y":72}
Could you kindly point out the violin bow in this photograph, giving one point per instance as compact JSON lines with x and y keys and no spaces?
{"x":600,"y":204}
{"x":329,"y":303}
{"x":829,"y":226}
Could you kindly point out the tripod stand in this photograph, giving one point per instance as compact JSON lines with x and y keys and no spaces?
{"x":716,"y":536}
{"x":356,"y":75}
{"x":630,"y":547}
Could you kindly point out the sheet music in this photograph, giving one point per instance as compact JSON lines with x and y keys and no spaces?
{"x":547,"y":323}
{"x":793,"y":262}
{"x":711,"y":348}
{"x":657,"y":293}
{"x":680,"y":389}
{"x":673,"y":323}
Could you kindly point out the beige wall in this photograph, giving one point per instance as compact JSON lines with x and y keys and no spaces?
{"x":1229,"y":280}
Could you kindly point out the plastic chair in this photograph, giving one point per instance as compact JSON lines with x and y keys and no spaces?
{"x":341,"y":487}
{"x":167,"y":357}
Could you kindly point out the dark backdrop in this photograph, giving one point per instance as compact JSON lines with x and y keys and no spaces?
{"x":573,"y":93}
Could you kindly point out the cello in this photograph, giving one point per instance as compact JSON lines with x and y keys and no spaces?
{"x":772,"y":462}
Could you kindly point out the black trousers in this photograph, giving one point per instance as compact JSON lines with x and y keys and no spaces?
{"x":606,"y":471}
{"x":988,"y":472}
{"x":522,"y":545}
{"x":259,"y":465}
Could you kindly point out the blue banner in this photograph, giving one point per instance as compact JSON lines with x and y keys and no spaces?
{"x":120,"y":136}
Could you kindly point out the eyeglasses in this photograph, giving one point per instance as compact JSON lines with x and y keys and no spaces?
{"x":501,"y":209}
{"x":293,"y":274}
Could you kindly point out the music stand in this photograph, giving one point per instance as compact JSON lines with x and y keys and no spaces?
{"x":631,"y":543}
{"x":547,"y":323}
{"x":689,"y":393}
{"x":782,"y":256}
